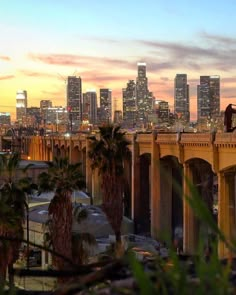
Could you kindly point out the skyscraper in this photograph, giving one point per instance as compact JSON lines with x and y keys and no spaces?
{"x":143,"y":96}
{"x":181,"y":100}
{"x":161,"y":111}
{"x":44,"y":106}
{"x":208,"y":97}
{"x":106,"y":103}
{"x":5,"y":118}
{"x":74,"y":101}
{"x":21,"y":105}
{"x":90,"y":106}
{"x":129,"y":104}
{"x":117,"y":106}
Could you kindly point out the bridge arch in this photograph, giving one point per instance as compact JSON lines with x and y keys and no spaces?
{"x":200,"y":181}
{"x":142,"y":200}
{"x":204,"y":156}
{"x":128,"y":186}
{"x":76,"y":154}
{"x":171,"y":190}
{"x":56,"y":151}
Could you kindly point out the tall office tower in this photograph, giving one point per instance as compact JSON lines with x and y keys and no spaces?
{"x":33,"y":117}
{"x":117,"y":106}
{"x":56,"y":119}
{"x":208,"y":98}
{"x":101,"y":114}
{"x":21,"y":105}
{"x":143,"y":96}
{"x":90,"y":106}
{"x":129,"y":104}
{"x":74,"y":102}
{"x":5,"y":118}
{"x":181,"y":100}
{"x":117,"y":117}
{"x":161,"y":111}
{"x":106,"y":103}
{"x":44,"y":106}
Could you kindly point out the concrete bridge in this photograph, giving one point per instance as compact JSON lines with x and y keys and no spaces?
{"x":158,"y":175}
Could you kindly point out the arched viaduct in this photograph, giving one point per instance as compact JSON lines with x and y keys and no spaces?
{"x":158,"y":175}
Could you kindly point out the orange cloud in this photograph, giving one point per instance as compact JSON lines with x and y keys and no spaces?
{"x":6,"y":77}
{"x":34,"y":74}
{"x":5,"y":58}
{"x":80,"y":60}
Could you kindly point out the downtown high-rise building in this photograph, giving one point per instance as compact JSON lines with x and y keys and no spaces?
{"x":90,"y":106}
{"x":5,"y":118}
{"x":74,"y":102}
{"x":208,"y":98}
{"x":181,"y":98}
{"x":56,"y":118}
{"x":117,"y":108}
{"x":44,"y":106}
{"x":106,"y":103}
{"x":161,"y":111}
{"x":144,"y":98}
{"x":21,"y":106}
{"x":129,"y":104}
{"x":33,"y":117}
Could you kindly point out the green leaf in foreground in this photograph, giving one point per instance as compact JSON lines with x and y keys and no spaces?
{"x":144,"y":282}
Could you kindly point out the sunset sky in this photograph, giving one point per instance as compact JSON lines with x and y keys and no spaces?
{"x":43,"y":41}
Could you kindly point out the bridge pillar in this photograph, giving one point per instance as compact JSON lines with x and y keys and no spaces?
{"x":83,"y":162}
{"x":70,"y":148}
{"x":75,"y":155}
{"x":44,"y":149}
{"x":40,"y":156}
{"x":226,"y":211}
{"x":155,"y":190}
{"x":51,"y":149}
{"x":35,"y":148}
{"x":135,"y":185}
{"x":63,"y":152}
{"x":190,"y":237}
{"x":88,"y":170}
{"x":165,"y":217}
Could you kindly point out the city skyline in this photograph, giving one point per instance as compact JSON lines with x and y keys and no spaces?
{"x":103,"y":42}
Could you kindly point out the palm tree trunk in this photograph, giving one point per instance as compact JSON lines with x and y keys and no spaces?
{"x":11,"y":275}
{"x":61,"y":211}
{"x":118,"y":237}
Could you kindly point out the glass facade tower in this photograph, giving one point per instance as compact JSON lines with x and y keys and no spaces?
{"x":143,"y":96}
{"x":181,"y":100}
{"x":74,"y":101}
{"x":208,"y":97}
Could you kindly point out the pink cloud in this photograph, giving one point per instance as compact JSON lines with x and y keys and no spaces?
{"x":35,"y":74}
{"x":5,"y":58}
{"x":6,"y":77}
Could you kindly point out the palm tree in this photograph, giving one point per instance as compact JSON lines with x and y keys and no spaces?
{"x":107,"y":154}
{"x":81,"y":242}
{"x":12,"y":211}
{"x":63,"y":178}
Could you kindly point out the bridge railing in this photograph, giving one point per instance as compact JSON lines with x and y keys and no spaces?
{"x":205,"y":139}
{"x":168,"y":138}
{"x":225,"y":138}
